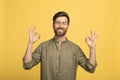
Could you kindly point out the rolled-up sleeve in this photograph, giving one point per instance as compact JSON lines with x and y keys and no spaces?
{"x":90,"y":67}
{"x":84,"y":62}
{"x":36,"y":56}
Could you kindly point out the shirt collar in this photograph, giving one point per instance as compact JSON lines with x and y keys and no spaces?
{"x":64,"y":41}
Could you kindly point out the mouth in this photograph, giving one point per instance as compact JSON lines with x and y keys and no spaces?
{"x":60,"y":29}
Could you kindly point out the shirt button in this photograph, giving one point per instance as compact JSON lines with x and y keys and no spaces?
{"x":57,"y":62}
{"x":56,"y":71}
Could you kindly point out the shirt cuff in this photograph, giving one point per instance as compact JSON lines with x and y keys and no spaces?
{"x":91,"y":67}
{"x":28,"y":65}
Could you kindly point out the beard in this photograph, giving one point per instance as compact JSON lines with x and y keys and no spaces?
{"x":60,"y":32}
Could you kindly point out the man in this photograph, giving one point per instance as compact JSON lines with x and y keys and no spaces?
{"x":59,"y":57}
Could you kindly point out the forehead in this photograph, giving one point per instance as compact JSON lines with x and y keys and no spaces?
{"x":63,"y":19}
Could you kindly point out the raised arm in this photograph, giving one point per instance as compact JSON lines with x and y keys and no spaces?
{"x":33,"y":37}
{"x":91,"y":42}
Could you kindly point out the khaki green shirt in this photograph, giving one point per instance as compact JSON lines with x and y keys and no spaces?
{"x":59,"y":62}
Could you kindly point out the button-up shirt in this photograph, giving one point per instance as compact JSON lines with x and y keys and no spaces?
{"x":59,"y":62}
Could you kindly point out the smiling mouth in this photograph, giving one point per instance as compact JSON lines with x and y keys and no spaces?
{"x":60,"y":29}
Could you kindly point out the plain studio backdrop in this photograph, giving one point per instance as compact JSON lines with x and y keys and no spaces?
{"x":103,"y":16}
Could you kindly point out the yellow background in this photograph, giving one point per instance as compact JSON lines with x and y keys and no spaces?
{"x":16,"y":16}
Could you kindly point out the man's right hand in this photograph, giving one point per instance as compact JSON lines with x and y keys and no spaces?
{"x":33,"y":35}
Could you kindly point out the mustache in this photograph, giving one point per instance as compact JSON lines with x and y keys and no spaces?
{"x":60,"y":28}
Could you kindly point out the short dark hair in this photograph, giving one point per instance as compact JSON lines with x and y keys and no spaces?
{"x":61,"y":14}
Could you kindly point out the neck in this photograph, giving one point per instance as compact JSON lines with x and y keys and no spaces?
{"x":60,"y":39}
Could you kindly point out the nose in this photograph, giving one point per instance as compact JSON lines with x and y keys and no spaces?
{"x":61,"y":25}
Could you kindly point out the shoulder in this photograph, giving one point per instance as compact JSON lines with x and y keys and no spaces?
{"x":76,"y":48}
{"x":45,"y":43}
{"x":72,"y":44}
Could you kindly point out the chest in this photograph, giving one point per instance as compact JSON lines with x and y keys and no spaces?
{"x":53,"y":53}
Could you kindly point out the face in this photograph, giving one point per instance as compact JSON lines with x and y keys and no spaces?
{"x":60,"y":26}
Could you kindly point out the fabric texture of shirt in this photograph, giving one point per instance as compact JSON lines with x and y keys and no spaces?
{"x":59,"y":62}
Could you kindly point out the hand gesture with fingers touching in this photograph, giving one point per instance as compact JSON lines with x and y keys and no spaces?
{"x":91,"y":40}
{"x":33,"y":35}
